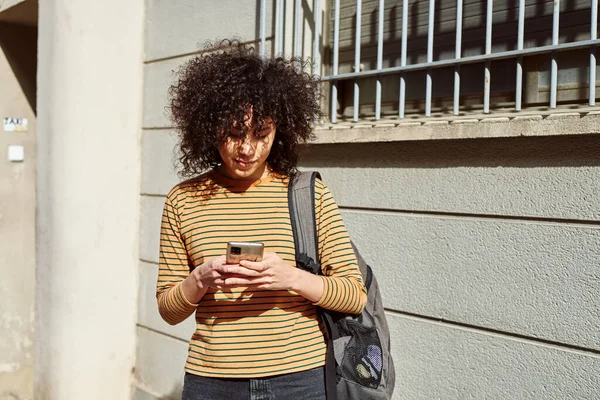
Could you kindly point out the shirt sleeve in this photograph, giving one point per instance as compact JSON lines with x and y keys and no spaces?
{"x":173,"y":266}
{"x":343,"y":287}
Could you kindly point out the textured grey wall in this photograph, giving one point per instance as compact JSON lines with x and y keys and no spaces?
{"x":485,"y":249}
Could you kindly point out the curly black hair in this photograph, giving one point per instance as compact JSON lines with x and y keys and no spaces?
{"x":216,"y":88}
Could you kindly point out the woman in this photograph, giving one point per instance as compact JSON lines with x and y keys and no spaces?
{"x":240,"y":118}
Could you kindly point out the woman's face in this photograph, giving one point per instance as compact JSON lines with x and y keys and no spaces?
{"x":246,"y":148}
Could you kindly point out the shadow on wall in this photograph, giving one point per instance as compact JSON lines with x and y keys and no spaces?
{"x":525,"y":152}
{"x":19,"y":44}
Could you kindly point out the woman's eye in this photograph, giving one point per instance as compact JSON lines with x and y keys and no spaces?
{"x":236,"y":133}
{"x":264,"y":132}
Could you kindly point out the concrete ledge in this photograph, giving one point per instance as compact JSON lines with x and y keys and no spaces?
{"x":555,"y":123}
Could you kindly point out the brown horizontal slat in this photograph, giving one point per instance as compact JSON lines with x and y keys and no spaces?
{"x":579,"y":18}
{"x":504,"y":35}
{"x":537,"y":16}
{"x":422,"y":9}
{"x":348,"y":11}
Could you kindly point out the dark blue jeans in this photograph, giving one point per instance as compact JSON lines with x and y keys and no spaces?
{"x":304,"y":385}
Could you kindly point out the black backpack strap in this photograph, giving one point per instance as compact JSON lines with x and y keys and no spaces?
{"x":301,"y":202}
{"x":331,"y":378}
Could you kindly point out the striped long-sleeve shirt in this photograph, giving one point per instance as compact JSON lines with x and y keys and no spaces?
{"x":246,"y":332}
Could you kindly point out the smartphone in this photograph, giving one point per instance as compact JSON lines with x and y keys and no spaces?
{"x":238,"y":251}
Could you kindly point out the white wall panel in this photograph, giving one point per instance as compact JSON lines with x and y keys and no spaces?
{"x":158,"y":77}
{"x":534,"y":279}
{"x":150,"y":217}
{"x":437,"y":361}
{"x":179,"y":27}
{"x":148,"y":315}
{"x":159,"y":365}
{"x":159,"y":158}
{"x":441,"y":176}
{"x":536,"y":177}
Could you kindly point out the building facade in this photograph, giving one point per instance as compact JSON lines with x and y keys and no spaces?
{"x":478,"y":209}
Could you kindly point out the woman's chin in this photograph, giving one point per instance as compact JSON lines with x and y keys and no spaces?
{"x":244,"y":171}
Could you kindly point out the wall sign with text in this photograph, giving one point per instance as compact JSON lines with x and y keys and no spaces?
{"x":15,"y":124}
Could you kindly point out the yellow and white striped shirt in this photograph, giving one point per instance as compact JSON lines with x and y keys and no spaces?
{"x":243,"y":332}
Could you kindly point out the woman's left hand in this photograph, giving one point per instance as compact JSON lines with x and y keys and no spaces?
{"x":272,"y":273}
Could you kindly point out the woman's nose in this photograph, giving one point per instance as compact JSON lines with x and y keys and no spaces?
{"x":247,"y":146}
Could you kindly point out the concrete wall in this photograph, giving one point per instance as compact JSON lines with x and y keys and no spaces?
{"x":485,"y":249}
{"x":17,"y":235}
{"x":89,"y":109}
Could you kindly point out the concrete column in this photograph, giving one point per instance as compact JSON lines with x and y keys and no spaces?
{"x":89,"y":121}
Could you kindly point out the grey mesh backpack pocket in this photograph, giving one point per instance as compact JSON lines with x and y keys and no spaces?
{"x":359,"y":364}
{"x":361,"y":356}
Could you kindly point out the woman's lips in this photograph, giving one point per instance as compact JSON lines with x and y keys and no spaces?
{"x":244,"y":164}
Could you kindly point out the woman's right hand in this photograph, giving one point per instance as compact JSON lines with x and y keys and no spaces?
{"x":211,"y":273}
{"x":207,"y":274}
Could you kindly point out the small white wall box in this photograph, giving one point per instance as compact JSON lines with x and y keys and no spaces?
{"x":16,"y":153}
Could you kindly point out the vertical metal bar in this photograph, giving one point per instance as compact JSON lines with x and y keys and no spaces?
{"x":379,"y":61}
{"x":316,"y":43}
{"x":488,"y":50}
{"x":593,"y":36}
{"x":280,"y":15}
{"x":402,"y":100}
{"x":298,"y":26}
{"x":429,"y":58}
{"x":520,"y":36}
{"x":554,"y":66}
{"x":336,"y":58}
{"x":357,"y":57}
{"x":263,"y":29}
{"x":459,"y":10}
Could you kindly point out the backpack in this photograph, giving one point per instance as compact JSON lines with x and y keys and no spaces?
{"x":358,"y":363}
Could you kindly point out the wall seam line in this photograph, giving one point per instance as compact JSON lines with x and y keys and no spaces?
{"x":498,"y":333}
{"x":482,"y":217}
{"x":195,"y":52}
{"x":161,"y":333}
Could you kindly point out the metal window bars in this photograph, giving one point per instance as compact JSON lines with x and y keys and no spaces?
{"x":487,"y":58}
